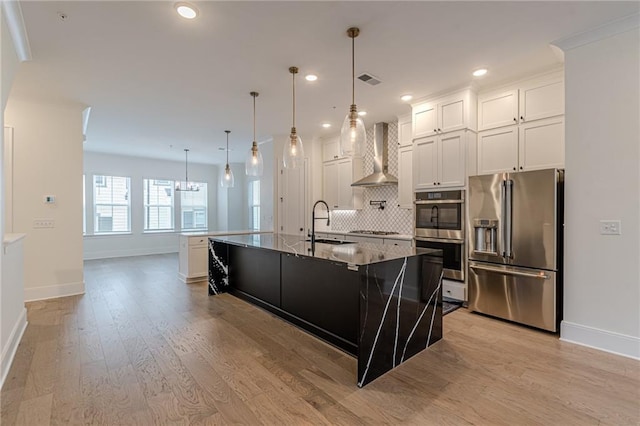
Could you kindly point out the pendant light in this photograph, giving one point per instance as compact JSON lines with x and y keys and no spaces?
{"x":226,"y":181}
{"x":353,"y":137}
{"x":186,"y":185}
{"x":293,"y":154}
{"x":253,"y":163}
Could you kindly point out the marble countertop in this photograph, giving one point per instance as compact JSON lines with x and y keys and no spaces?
{"x":220,"y":233}
{"x":388,"y":237}
{"x":352,"y":254}
{"x":12,"y":238}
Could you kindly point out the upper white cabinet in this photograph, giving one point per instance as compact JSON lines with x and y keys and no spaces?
{"x":405,"y":132}
{"x":338,"y":175}
{"x":331,"y":149}
{"x":446,"y":114}
{"x":530,"y":146}
{"x":405,"y":176}
{"x":541,"y":144}
{"x":497,"y":109}
{"x":440,"y":161}
{"x":534,"y":99}
{"x":522,"y":126}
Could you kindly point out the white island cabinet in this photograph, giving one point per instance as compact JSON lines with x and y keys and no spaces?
{"x":193,"y":258}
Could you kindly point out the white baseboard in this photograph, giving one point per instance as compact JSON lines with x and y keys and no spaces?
{"x":9,"y":351}
{"x":607,"y":341}
{"x":49,"y":292}
{"x":110,"y":254}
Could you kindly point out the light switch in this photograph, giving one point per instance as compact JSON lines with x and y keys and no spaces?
{"x":610,"y":227}
{"x":43,"y":223}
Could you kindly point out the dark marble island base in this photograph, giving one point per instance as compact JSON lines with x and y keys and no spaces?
{"x":381,"y":304}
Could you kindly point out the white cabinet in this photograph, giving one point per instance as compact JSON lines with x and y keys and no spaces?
{"x":401,"y":243}
{"x":405,"y":176}
{"x":541,"y":144}
{"x":534,"y":99}
{"x":498,"y":150}
{"x":331,"y":149}
{"x":497,"y":109}
{"x":530,"y":146}
{"x":405,"y":132}
{"x":454,"y":290}
{"x":440,"y":161}
{"x":541,"y":99}
{"x":447,"y":114}
{"x":338,"y":175}
{"x":193,"y":258}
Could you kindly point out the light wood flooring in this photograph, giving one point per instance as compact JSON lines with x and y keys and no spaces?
{"x":140,"y":347}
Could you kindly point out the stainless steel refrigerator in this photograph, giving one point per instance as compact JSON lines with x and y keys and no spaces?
{"x":515,"y":228}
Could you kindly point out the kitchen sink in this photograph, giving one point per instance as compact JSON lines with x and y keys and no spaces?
{"x":324,"y":241}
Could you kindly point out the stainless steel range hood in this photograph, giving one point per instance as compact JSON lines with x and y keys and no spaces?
{"x":380,"y":175}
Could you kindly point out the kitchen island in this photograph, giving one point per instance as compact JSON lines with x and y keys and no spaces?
{"x":379,"y":303}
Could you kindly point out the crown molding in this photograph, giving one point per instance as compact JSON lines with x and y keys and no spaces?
{"x":17,"y":29}
{"x":610,"y":29}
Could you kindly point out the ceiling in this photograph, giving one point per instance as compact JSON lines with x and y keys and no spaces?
{"x":158,"y":83}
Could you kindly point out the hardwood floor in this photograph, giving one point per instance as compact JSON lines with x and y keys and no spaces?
{"x":140,"y":347}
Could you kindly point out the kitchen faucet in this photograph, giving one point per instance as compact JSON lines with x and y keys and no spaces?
{"x":313,"y":221}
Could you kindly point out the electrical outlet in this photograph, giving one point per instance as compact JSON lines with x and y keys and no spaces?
{"x":43,"y":223}
{"x":610,"y":227}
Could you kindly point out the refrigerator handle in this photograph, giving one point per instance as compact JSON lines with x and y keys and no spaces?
{"x":508,"y":217}
{"x":503,"y":215}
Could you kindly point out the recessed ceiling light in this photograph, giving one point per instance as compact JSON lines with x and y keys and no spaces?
{"x":406,"y":98}
{"x":326,"y":125}
{"x":480,"y":72}
{"x":362,"y":113}
{"x":311,"y":77}
{"x":186,"y":10}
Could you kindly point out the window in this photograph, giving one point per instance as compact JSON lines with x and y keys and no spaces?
{"x":254,"y":205}
{"x":111,"y":204}
{"x":194,"y":208}
{"x":84,"y":207}
{"x":158,"y":205}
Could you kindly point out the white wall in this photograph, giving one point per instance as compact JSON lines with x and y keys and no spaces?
{"x":602,"y":273}
{"x":136,"y":168}
{"x":233,"y":202}
{"x":48,"y":161}
{"x":12,"y":310}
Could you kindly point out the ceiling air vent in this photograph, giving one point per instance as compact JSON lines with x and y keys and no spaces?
{"x":369,"y":79}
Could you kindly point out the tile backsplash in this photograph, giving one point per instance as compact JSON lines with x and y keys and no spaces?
{"x":392,"y":218}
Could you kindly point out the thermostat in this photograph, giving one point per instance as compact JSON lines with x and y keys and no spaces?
{"x":49,"y":199}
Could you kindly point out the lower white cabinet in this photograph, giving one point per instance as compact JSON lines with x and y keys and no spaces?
{"x":401,"y":243}
{"x":454,"y":290}
{"x":531,"y":146}
{"x":193,"y":258}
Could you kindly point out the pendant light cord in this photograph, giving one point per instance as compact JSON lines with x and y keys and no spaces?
{"x":353,"y":70}
{"x":227,"y":132}
{"x":293,"y":76}
{"x":254,"y":116}
{"x":186,"y":167}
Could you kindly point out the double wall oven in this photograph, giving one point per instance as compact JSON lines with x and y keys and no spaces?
{"x":440,"y":224}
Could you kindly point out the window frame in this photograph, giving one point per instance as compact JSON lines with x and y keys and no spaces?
{"x":193,"y":208}
{"x":103,"y":184}
{"x":170,"y":183}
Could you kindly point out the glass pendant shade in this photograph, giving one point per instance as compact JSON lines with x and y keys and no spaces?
{"x":353,"y":136}
{"x":227,"y":178}
{"x":293,"y":153}
{"x":254,"y":165}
